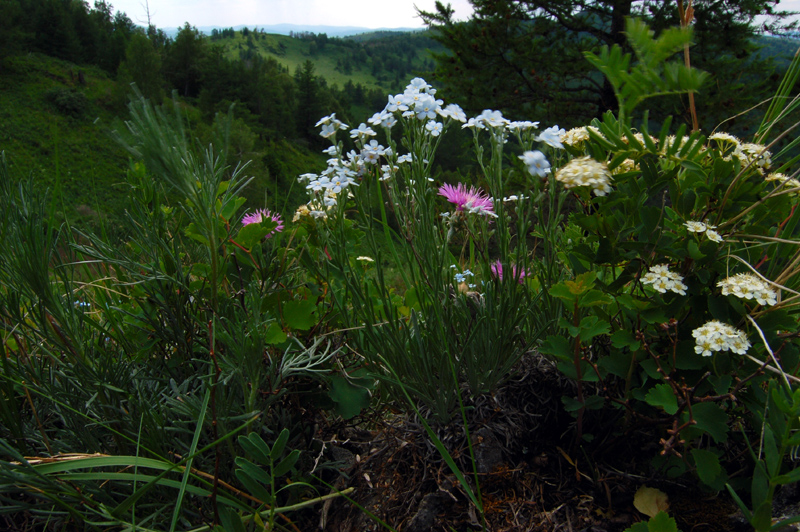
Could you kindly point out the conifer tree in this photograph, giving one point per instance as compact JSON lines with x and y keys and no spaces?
{"x":526,"y":56}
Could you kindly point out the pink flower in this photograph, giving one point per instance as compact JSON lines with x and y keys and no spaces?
{"x":262,"y":215}
{"x":472,"y":200}
{"x":497,"y":271}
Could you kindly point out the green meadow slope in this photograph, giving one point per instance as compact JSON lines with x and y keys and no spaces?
{"x":55,"y":119}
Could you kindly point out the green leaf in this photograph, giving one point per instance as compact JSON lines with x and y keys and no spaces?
{"x":253,"y":471}
{"x":708,"y":468}
{"x":255,"y":447}
{"x":252,"y":234}
{"x":255,"y":489}
{"x":231,"y":207}
{"x":350,"y":397}
{"x":592,"y":326}
{"x":694,"y":250}
{"x":661,"y":522}
{"x":299,"y":314}
{"x":712,"y":419}
{"x":557,"y":346}
{"x":571,"y":404}
{"x":279,"y":445}
{"x":274,"y":334}
{"x":287,"y":463}
{"x":624,"y":338}
{"x":230,"y":520}
{"x":617,"y":363}
{"x":661,"y":395}
{"x":193,"y":232}
{"x":594,"y":298}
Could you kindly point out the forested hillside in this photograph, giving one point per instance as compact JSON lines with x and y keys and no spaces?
{"x":67,"y":74}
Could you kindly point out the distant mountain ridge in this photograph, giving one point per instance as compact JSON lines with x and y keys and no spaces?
{"x":286,"y":29}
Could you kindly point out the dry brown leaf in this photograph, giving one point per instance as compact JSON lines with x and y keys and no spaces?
{"x":650,"y":501}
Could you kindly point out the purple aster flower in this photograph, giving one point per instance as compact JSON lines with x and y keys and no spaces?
{"x":472,"y":200}
{"x":497,"y":271}
{"x":262,"y":215}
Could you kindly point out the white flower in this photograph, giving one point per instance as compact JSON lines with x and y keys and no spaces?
{"x":326,"y":120}
{"x":362,"y":131}
{"x":434,"y":128}
{"x":536,"y":162}
{"x":717,"y":336}
{"x":492,"y":118}
{"x":713,"y":236}
{"x":365,"y":259}
{"x":327,"y":130}
{"x":748,"y":286}
{"x":407,"y":158}
{"x":552,"y":137}
{"x":664,"y":280}
{"x":586,"y":172}
{"x":522,"y":126}
{"x":397,"y":103}
{"x":455,"y":112}
{"x":695,"y":227}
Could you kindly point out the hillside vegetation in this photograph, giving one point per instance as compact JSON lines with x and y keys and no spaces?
{"x":381,"y":60}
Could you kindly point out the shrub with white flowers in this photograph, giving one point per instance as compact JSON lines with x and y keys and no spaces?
{"x":748,"y":286}
{"x":586,"y":172}
{"x":663,"y":280}
{"x":716,"y":336}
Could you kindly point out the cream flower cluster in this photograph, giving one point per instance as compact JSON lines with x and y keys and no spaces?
{"x":701,"y":227}
{"x":748,"y":286}
{"x":576,"y":136}
{"x":786,"y":182}
{"x":717,"y":336}
{"x":586,"y":172}
{"x":746,"y":152}
{"x":663,"y":280}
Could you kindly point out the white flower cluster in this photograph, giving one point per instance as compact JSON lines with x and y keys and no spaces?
{"x":717,"y":336}
{"x":664,"y":280}
{"x":418,"y":101}
{"x":701,"y":227}
{"x":586,"y":172}
{"x":785,"y":182}
{"x":330,"y":125}
{"x":748,"y":286}
{"x":747,"y":152}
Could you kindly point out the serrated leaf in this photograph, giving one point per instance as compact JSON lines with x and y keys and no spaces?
{"x":592,"y":326}
{"x":593,"y":298}
{"x":650,"y":501}
{"x":661,"y":395}
{"x":661,"y":522}
{"x":557,"y":346}
{"x":300,"y":314}
{"x":251,"y":234}
{"x":712,"y":419}
{"x":274,"y":334}
{"x":350,"y":397}
{"x":708,"y":467}
{"x":624,"y":338}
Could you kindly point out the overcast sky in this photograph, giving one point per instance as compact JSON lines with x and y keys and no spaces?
{"x":225,"y":13}
{"x":364,"y":13}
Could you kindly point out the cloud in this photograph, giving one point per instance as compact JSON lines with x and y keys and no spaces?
{"x":224,"y":13}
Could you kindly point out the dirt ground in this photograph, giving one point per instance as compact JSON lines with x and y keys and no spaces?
{"x":532,"y":476}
